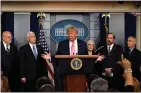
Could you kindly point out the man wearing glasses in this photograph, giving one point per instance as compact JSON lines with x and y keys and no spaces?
{"x":8,"y":57}
{"x":134,"y":56}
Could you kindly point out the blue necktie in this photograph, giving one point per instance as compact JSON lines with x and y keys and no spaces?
{"x":34,"y":51}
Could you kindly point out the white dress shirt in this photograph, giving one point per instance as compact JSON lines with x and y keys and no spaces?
{"x":5,"y":46}
{"x":75,"y":45}
{"x":111,"y":46}
{"x":31,"y":46}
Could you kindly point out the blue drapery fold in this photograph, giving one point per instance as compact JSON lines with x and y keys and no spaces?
{"x":102,"y":30}
{"x":130,"y":26}
{"x":34,"y":23}
{"x":7,"y":22}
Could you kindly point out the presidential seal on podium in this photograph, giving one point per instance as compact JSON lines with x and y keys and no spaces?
{"x":76,"y":63}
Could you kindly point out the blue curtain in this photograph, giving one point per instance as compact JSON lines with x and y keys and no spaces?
{"x":130,"y":26}
{"x":7,"y":22}
{"x":34,"y":23}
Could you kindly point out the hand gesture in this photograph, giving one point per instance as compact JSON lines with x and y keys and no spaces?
{"x":100,"y":57}
{"x":126,"y":64}
{"x":46,"y":56}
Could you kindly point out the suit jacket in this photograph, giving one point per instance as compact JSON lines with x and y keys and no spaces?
{"x":8,"y":59}
{"x":111,"y":60}
{"x":30,"y":67}
{"x":63,"y":48}
{"x":135,"y":59}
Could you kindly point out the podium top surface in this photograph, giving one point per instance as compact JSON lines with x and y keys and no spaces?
{"x":75,"y":56}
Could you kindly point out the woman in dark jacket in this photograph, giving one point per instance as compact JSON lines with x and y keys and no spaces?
{"x":97,"y":62}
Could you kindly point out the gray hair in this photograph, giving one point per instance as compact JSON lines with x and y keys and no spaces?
{"x":28,"y":34}
{"x":99,"y":85}
{"x":90,"y":42}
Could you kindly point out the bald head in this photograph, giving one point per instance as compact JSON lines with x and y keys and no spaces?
{"x":7,"y":37}
{"x":31,"y":38}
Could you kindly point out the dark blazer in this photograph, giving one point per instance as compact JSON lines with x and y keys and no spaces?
{"x":111,"y":60}
{"x":63,"y":48}
{"x":30,"y":67}
{"x":135,"y":59}
{"x":8,"y":60}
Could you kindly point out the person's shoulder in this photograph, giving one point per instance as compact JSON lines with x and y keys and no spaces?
{"x":138,"y":51}
{"x":64,"y":41}
{"x":13,"y":45}
{"x":118,"y":46}
{"x":81,"y":41}
{"x":24,"y":46}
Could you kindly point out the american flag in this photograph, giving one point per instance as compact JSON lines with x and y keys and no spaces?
{"x":42,"y":42}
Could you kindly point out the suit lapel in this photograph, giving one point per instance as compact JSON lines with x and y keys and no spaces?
{"x":79,"y":47}
{"x":68,"y":47}
{"x":113,"y":48}
{"x":30,"y":51}
{"x":132,"y":52}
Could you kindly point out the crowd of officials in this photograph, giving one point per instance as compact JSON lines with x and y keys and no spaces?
{"x":114,"y":70}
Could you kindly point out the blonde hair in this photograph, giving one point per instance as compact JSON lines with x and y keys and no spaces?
{"x":72,"y":28}
{"x":4,"y":85}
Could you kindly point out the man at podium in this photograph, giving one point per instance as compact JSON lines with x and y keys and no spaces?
{"x":71,"y":46}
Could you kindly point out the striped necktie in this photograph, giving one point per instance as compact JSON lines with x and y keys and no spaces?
{"x":34,"y":51}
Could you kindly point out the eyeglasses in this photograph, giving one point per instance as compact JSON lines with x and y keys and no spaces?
{"x":91,"y":44}
{"x":10,"y":37}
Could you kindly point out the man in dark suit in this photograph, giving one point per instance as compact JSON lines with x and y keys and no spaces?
{"x":66,"y":47}
{"x":134,"y":56}
{"x":32,"y":63}
{"x":8,"y":58}
{"x":112,"y":53}
{"x":71,"y":46}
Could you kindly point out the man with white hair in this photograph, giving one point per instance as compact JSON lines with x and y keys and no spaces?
{"x":32,"y":63}
{"x":134,"y":56}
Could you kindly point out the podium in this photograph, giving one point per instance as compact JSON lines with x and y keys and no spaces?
{"x":75,"y":80}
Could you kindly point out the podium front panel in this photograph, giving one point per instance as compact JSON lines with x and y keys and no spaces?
{"x":65,"y":67}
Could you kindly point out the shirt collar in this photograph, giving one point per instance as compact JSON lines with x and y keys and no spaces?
{"x":110,"y":45}
{"x":131,"y":48}
{"x":32,"y":45}
{"x":74,"y":41}
{"x":5,"y":44}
